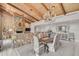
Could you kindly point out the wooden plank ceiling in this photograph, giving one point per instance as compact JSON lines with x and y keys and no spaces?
{"x":34,"y":11}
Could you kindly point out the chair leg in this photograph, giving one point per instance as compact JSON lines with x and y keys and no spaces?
{"x":36,"y":53}
{"x":53,"y":49}
{"x":46,"y":48}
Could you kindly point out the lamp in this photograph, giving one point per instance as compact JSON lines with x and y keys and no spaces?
{"x":50,"y":13}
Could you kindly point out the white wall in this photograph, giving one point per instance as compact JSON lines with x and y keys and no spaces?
{"x":71,"y":19}
{"x":75,"y":28}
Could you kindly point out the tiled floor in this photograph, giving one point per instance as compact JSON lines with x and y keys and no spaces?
{"x":66,"y":49}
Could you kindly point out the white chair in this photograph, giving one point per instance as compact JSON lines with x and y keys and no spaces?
{"x":56,"y":43}
{"x":36,"y":45}
{"x":8,"y":43}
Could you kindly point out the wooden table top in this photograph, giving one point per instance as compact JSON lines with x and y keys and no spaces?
{"x":46,"y":40}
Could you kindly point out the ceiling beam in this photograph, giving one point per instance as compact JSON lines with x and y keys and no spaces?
{"x":2,"y":9}
{"x":12,"y":15}
{"x":44,"y":6}
{"x":22,"y":11}
{"x":63,"y":8}
{"x":27,"y":21}
{"x":24,"y":18}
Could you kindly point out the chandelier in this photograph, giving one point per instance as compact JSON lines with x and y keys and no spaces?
{"x":50,"y":13}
